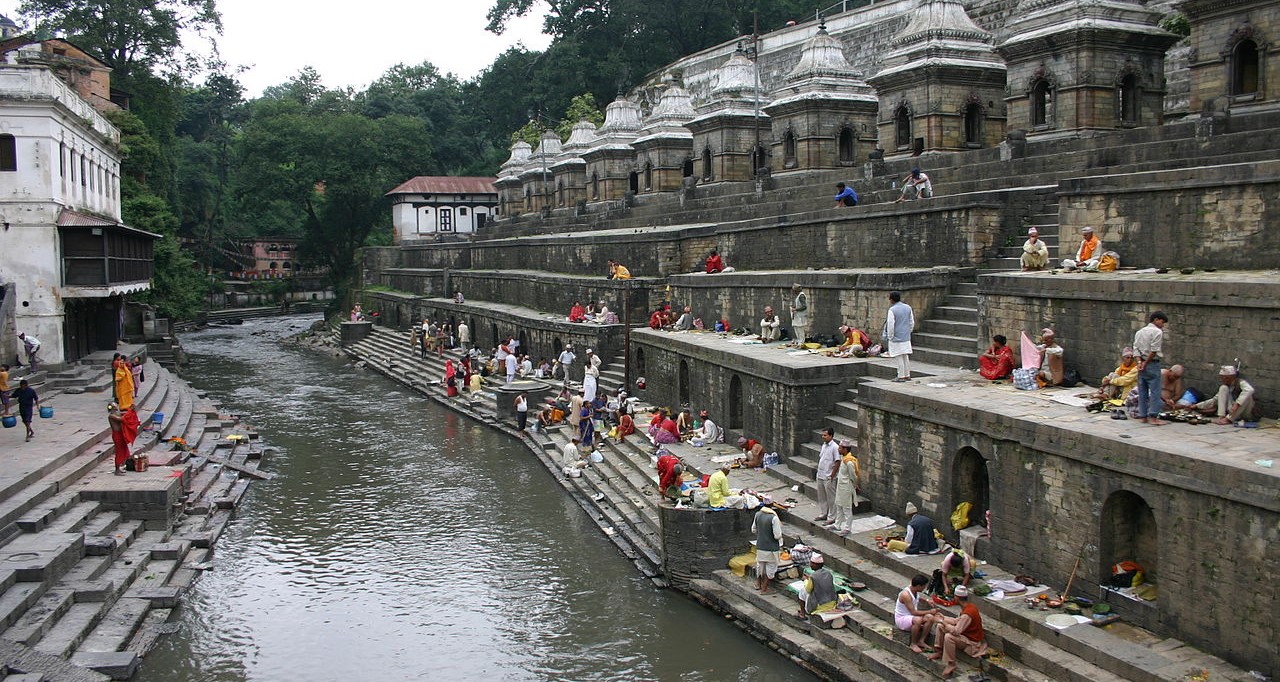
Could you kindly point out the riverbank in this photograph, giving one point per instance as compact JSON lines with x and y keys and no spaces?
{"x":620,"y":494}
{"x":93,"y":565}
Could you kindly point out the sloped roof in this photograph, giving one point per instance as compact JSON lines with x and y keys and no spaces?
{"x":70,"y":218}
{"x":445,"y":184}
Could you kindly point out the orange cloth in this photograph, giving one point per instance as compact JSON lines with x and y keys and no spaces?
{"x":1087,"y":247}
{"x":124,"y":387}
{"x":973,"y":633}
{"x":123,"y":437}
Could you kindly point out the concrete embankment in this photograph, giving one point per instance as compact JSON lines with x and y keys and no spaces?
{"x":93,"y":564}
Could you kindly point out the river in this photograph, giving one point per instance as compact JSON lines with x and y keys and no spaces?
{"x":401,"y":541}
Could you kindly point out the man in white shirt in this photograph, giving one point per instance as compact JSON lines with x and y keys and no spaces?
{"x":1148,"y":345}
{"x":464,"y":336}
{"x":825,"y":476}
{"x":566,"y":361}
{"x":31,"y":345}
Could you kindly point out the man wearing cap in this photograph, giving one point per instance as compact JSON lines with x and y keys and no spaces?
{"x":1051,"y":359}
{"x":964,"y":631}
{"x":769,"y":324}
{"x":846,"y":497}
{"x":1035,"y":255}
{"x":752,"y":451}
{"x":718,"y":494}
{"x":1148,"y":346}
{"x":685,"y":322}
{"x":710,"y":431}
{"x":799,"y":313}
{"x":853,"y":340}
{"x":898,"y":325}
{"x":818,"y":591}
{"x":1088,"y":254}
{"x":566,"y":361}
{"x":1117,"y":383}
{"x":828,"y":461}
{"x":921,"y":537}
{"x":1234,"y":400}
{"x":768,"y":529}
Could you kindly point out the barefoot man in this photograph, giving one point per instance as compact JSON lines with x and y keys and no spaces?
{"x":768,"y":529}
{"x":908,"y":615}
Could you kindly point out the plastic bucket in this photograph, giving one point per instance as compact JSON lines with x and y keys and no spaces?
{"x":46,"y":412}
{"x":157,"y":419}
{"x":9,"y":421}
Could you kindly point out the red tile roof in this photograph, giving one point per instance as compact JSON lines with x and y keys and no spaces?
{"x":441,"y":184}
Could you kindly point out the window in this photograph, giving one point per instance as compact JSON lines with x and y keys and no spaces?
{"x":8,"y":153}
{"x":462,"y":211}
{"x":648,"y":177}
{"x":844,"y":143}
{"x":1127,"y":95}
{"x":273,"y":265}
{"x":902,"y":127}
{"x":62,"y":159}
{"x":633,"y":182}
{"x":788,"y":150}
{"x":84,"y":171}
{"x":759,"y":159}
{"x":1244,"y":68}
{"x":595,"y":185}
{"x":706,"y":164}
{"x":1041,"y":101}
{"x":687,"y":169}
{"x":973,"y":125}
{"x":446,"y":220}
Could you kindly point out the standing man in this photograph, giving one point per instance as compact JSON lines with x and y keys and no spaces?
{"x":897,"y":329}
{"x":1148,"y":345}
{"x":4,"y":390}
{"x":464,"y":336}
{"x":31,"y":345}
{"x":768,"y":529}
{"x":27,"y":402}
{"x":522,"y":411}
{"x":566,"y":361}
{"x":846,"y":495}
{"x":826,"y":477}
{"x":423,"y":335}
{"x":511,"y":361}
{"x":799,"y":313}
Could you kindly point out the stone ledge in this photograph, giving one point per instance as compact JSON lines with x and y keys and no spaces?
{"x":766,"y":362}
{"x":857,"y":278}
{"x":1235,"y":288}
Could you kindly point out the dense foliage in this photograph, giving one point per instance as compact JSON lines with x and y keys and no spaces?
{"x":204,"y":166}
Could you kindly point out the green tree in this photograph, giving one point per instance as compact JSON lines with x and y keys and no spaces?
{"x":129,"y":35}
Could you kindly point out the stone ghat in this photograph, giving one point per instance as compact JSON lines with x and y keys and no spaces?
{"x":92,"y":565}
{"x":620,"y":495}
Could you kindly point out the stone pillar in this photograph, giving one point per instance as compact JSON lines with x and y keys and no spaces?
{"x":696,"y":542}
{"x":534,"y":389}
{"x":353,"y":332}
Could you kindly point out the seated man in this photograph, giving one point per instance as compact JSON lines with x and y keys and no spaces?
{"x":917,"y":184}
{"x":1234,"y":400}
{"x":753,"y":451}
{"x":920,"y":538}
{"x":1117,"y":383}
{"x":1051,"y":359}
{"x":545,"y":418}
{"x":714,"y":263}
{"x":602,"y":315}
{"x":957,"y":570}
{"x":1171,"y":386}
{"x":845,"y":196}
{"x":964,"y":631}
{"x":719,"y":496}
{"x":818,"y":591}
{"x":997,"y":362}
{"x":854,"y":341}
{"x":1035,"y":254}
{"x":571,"y":457}
{"x":908,"y":615}
{"x":578,"y":313}
{"x":618,"y":270}
{"x":769,"y":325}
{"x":685,"y":323}
{"x":658,"y":319}
{"x":1088,"y":254}
{"x":710,"y":431}
{"x":684,"y":421}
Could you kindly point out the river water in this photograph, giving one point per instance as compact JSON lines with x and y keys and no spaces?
{"x":401,"y":541}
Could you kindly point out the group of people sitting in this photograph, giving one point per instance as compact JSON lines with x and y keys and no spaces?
{"x":1232,"y":402}
{"x":598,"y":314}
{"x":1089,"y":256}
{"x":664,"y":318}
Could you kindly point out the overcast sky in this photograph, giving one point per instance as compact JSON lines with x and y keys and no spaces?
{"x":352,"y":43}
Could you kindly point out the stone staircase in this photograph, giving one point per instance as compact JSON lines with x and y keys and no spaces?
{"x":91,"y":564}
{"x":949,"y":336}
{"x":1045,"y":220}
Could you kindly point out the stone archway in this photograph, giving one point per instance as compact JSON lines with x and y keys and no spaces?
{"x":558,"y":346}
{"x":1128,"y":533}
{"x":639,"y":363}
{"x":971,"y":483}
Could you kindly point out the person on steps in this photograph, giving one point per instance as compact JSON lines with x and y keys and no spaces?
{"x":997,"y":362}
{"x":964,"y":631}
{"x":910,"y":616}
{"x":124,"y":430}
{"x":1035,"y":254}
{"x":846,"y":494}
{"x":818,"y":592}
{"x":899,"y":323}
{"x":768,"y":529}
{"x":27,"y":401}
{"x":1234,"y":400}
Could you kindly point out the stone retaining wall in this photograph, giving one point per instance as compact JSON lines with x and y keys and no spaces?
{"x":1215,"y":216}
{"x":1214,"y":318}
{"x":1050,"y":485}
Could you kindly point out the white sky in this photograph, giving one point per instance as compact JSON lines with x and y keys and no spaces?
{"x":351,"y":44}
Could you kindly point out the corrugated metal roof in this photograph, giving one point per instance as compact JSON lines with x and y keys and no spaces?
{"x":70,"y":218}
{"x":444,"y":184}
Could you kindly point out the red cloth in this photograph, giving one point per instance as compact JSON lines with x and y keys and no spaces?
{"x":669,"y":425}
{"x":974,"y":632}
{"x":123,"y":438}
{"x":577,"y":313}
{"x":666,"y":471}
{"x":655,"y":320}
{"x":999,"y":368}
{"x":714,"y":264}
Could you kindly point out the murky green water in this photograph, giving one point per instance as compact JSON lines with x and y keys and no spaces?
{"x":403,"y":542}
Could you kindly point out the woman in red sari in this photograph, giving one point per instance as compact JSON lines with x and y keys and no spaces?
{"x":450,"y":379}
{"x":124,"y":430}
{"x":997,"y":362}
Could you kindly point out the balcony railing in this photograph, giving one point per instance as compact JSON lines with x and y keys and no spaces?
{"x":106,"y":256}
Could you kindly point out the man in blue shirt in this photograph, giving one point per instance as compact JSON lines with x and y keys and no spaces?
{"x":845,"y":196}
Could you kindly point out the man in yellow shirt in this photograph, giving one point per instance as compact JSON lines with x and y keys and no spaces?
{"x":718,"y":494}
{"x":4,"y":390}
{"x":618,"y":270}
